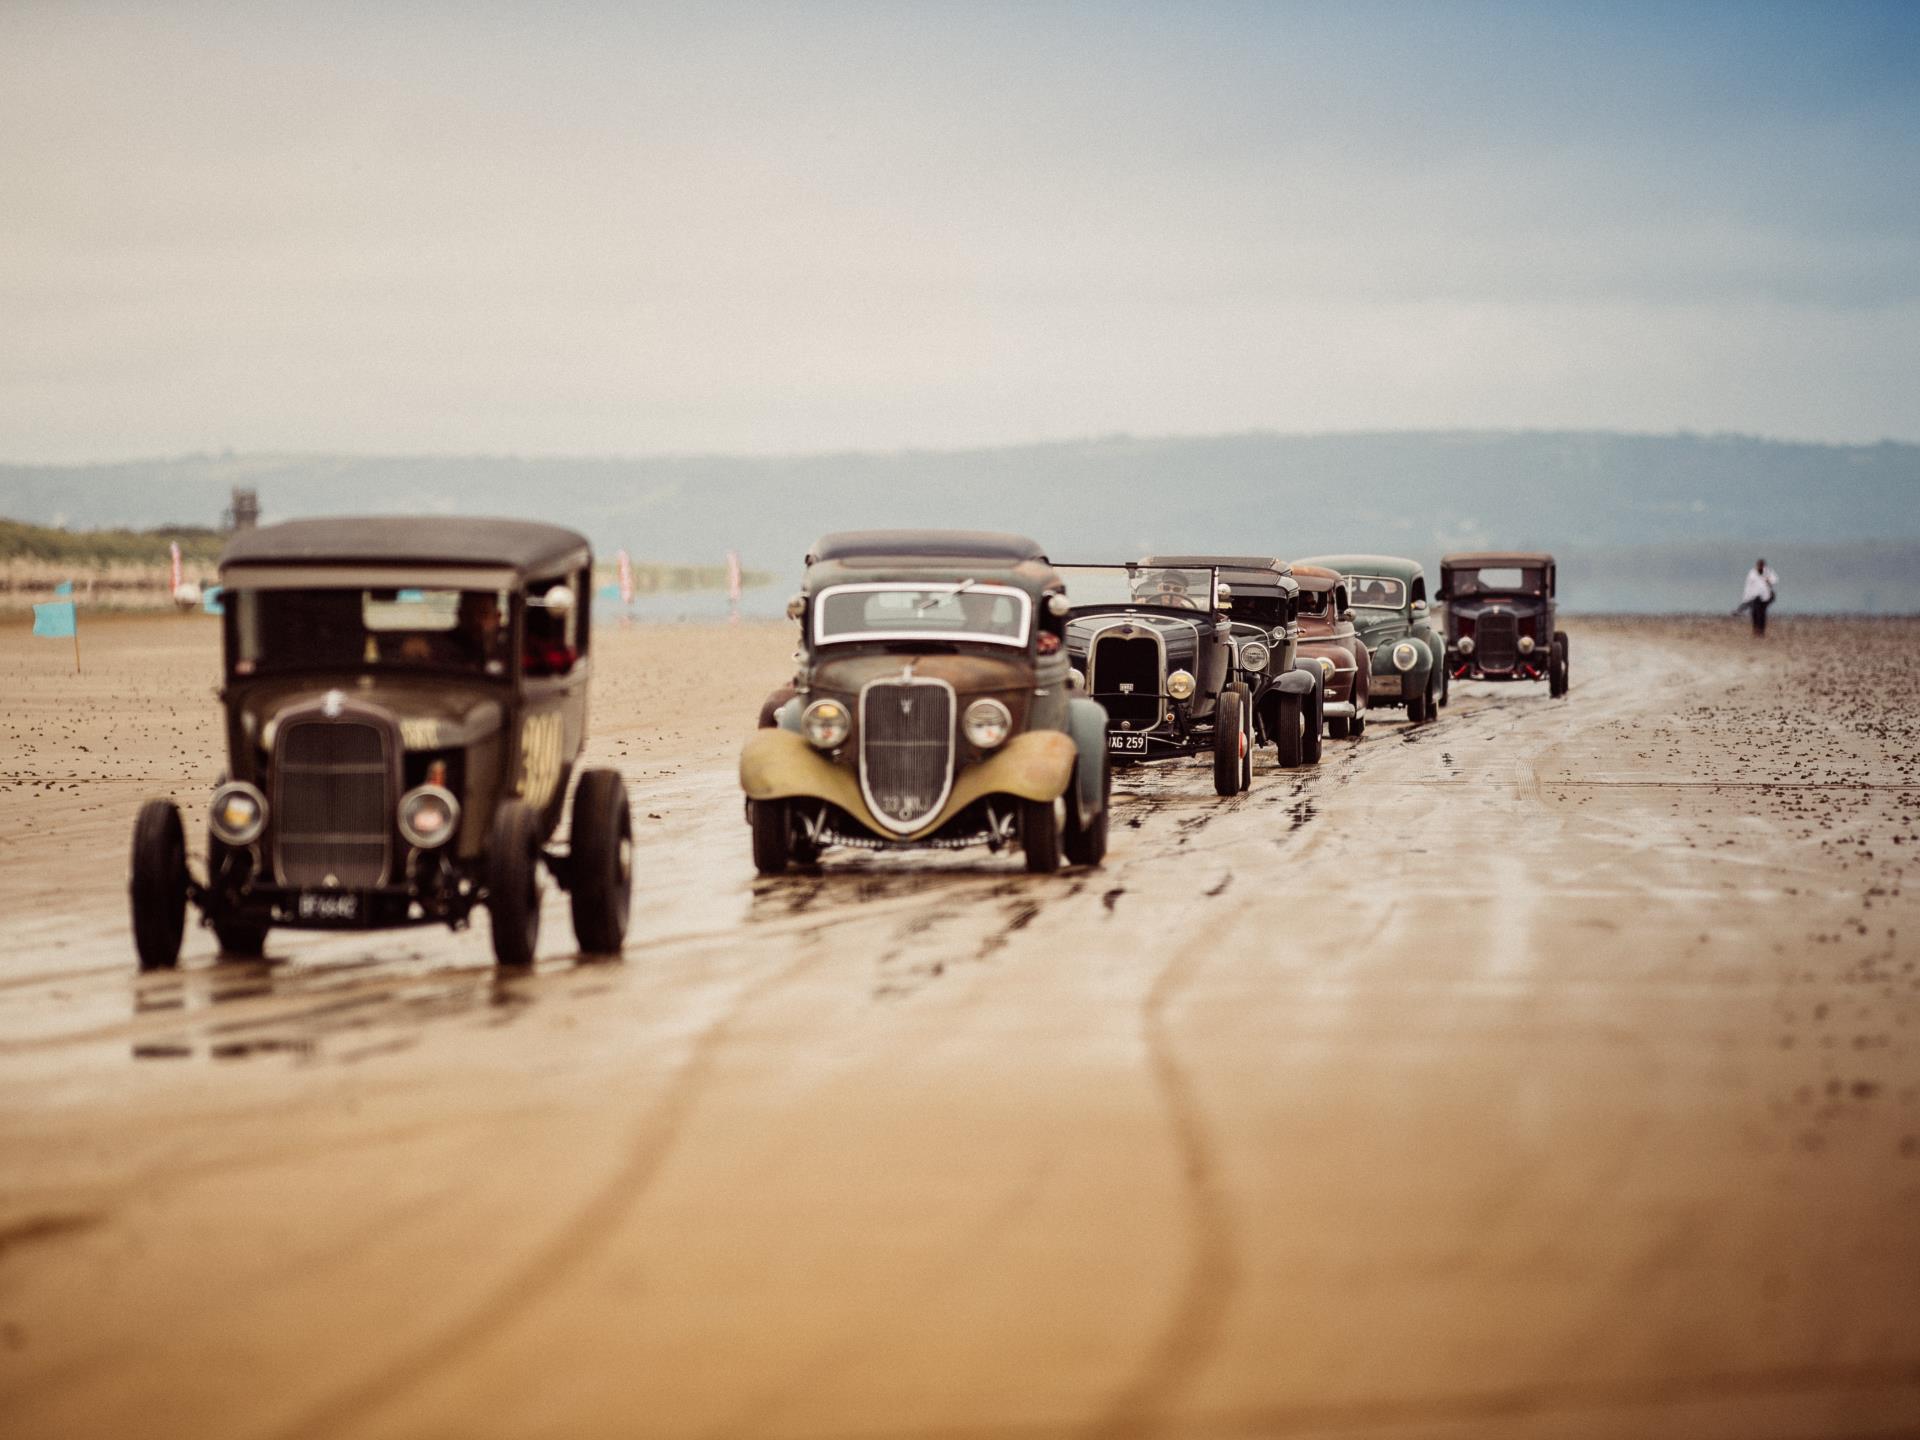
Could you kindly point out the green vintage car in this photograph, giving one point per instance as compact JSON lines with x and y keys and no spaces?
{"x":1391,"y":614}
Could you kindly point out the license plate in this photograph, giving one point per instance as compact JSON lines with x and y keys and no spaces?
{"x":328,"y":907}
{"x":1386,"y":684}
{"x":1137,"y":744}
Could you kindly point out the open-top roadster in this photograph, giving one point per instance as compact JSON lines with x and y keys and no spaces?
{"x":1500,"y":618}
{"x":405,"y":699}
{"x":931,"y":708}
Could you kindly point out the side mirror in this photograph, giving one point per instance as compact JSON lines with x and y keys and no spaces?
{"x":1058,"y":604}
{"x":796,"y":607}
{"x":558,"y":601}
{"x":1223,"y":596}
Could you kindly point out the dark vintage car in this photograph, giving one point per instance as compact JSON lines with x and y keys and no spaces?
{"x":931,"y":708}
{"x":1153,"y":644}
{"x":1328,"y":638}
{"x":405,"y":699}
{"x":1500,"y":618}
{"x":1389,"y":596}
{"x":1286,"y":693}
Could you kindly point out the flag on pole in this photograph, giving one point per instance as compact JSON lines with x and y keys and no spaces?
{"x":733,"y":586}
{"x":211,"y":601}
{"x":173,"y":585}
{"x":65,"y":587}
{"x":625,"y":568}
{"x":56,"y":619}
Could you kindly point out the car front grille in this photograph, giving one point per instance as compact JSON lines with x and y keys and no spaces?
{"x":1495,"y":640}
{"x":906,"y":749}
{"x":332,"y":816}
{"x":1126,"y":679}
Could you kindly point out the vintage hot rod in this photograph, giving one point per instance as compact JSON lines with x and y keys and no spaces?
{"x":405,"y":699}
{"x":1328,"y":638}
{"x":932,"y":707}
{"x":1500,"y":618}
{"x":1389,"y":596}
{"x":1286,"y":692}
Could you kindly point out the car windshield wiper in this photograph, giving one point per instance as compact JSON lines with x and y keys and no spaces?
{"x":927,"y":601}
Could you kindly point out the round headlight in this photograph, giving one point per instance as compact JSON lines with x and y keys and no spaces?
{"x":428,"y":816}
{"x":987,"y":723}
{"x":1076,"y":678}
{"x":1180,"y":685}
{"x":238,"y":813}
{"x":826,"y":724}
{"x":1254,"y":655}
{"x":1327,"y":667}
{"x":1406,"y":655}
{"x":1526,"y":644}
{"x":1466,"y":644}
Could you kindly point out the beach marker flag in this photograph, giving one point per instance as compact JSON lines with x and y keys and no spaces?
{"x":733,"y":586}
{"x":625,"y":570}
{"x":65,"y":587}
{"x":210,"y":601}
{"x":173,"y":584}
{"x":57,"y":620}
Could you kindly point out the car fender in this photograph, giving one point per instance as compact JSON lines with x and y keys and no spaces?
{"x":1383,"y":657}
{"x":1087,"y":723}
{"x":1300,"y":680}
{"x":780,"y":765}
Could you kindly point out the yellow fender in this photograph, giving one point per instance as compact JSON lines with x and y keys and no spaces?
{"x":780,"y":765}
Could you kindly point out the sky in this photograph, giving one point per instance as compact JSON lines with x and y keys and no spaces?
{"x":626,"y":229}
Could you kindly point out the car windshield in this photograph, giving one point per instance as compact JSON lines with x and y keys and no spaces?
{"x":1317,"y":603}
{"x":1253,"y":608}
{"x":1507,"y":579}
{"x":1378,"y":592}
{"x":948,"y":610}
{"x":462,"y":630}
{"x":1156,"y":586}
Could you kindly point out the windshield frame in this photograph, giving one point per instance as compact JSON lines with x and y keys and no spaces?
{"x":1353,"y":590}
{"x":818,"y":611}
{"x":248,"y":630}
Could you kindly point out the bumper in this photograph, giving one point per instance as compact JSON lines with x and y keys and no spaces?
{"x":1338,"y":709}
{"x":779,"y":765}
{"x":383,"y":908}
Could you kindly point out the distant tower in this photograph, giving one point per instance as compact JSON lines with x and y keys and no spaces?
{"x":244,"y":513}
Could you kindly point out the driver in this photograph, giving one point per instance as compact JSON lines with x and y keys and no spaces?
{"x":1169,"y":588}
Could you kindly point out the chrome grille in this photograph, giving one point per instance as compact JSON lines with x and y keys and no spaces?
{"x":1494,"y":639}
{"x":906,"y":749}
{"x":332,"y":815}
{"x":1126,"y":679}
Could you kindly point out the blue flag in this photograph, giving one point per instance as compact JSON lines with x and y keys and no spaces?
{"x":65,"y":587}
{"x":56,"y":620}
{"x":210,"y":600}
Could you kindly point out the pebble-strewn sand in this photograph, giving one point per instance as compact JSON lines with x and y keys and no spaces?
{"x":1548,"y":1070}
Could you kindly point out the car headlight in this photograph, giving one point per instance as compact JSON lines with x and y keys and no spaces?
{"x":1180,"y":685}
{"x":1326,"y":667}
{"x":1254,"y":655}
{"x":1406,"y":655}
{"x":1466,"y":644}
{"x":826,"y":724}
{"x":1526,"y":644}
{"x":238,"y":813}
{"x":1076,"y":678}
{"x":428,"y":816}
{"x":987,"y":723}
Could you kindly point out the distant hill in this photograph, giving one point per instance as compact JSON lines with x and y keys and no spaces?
{"x":1641,"y":522}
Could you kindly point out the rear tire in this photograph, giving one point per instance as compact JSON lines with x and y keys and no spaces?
{"x":1229,"y":742}
{"x":1040,"y":835}
{"x":1086,"y":842}
{"x":1316,"y":720}
{"x":157,"y":887}
{"x":772,"y":836}
{"x":513,"y":884}
{"x":602,"y":864}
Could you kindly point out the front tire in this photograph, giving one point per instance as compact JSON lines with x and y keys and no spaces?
{"x":772,"y":836}
{"x":1229,"y":742}
{"x":1416,"y":709}
{"x":1086,"y":841}
{"x":157,"y":887}
{"x":1316,"y":721}
{"x":1559,"y":677}
{"x":513,"y":884}
{"x":1040,"y":835}
{"x":1287,"y":743}
{"x":602,"y":863}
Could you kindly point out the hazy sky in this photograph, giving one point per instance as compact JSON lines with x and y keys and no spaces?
{"x":624,"y":229}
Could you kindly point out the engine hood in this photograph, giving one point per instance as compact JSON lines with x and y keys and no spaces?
{"x":968,"y":673}
{"x":432,"y":714}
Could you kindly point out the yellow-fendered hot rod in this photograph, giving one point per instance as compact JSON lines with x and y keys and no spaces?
{"x":931,"y":708}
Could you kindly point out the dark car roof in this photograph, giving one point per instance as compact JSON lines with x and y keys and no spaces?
{"x":1388,"y":565}
{"x":1476,"y":558}
{"x":1234,"y":569}
{"x":1317,"y":577}
{"x":523,"y":545}
{"x":870,"y":547}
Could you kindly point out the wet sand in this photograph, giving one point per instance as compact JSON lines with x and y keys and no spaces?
{"x":1548,"y":1070}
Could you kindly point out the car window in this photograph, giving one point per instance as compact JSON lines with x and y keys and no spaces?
{"x":1378,"y":592}
{"x":278,"y":630}
{"x":1509,"y":578}
{"x":988,"y":614}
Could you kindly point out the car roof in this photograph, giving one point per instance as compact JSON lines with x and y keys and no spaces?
{"x":871,"y":547}
{"x":1317,"y":577}
{"x":1245,"y":571}
{"x":1474,"y":558}
{"x":1389,"y":565}
{"x":527,"y":546}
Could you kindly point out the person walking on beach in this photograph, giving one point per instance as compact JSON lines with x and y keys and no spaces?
{"x":1762,"y":584}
